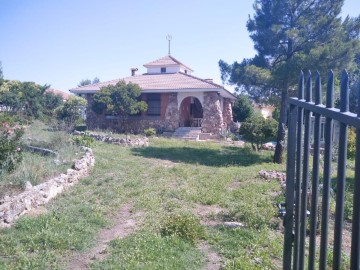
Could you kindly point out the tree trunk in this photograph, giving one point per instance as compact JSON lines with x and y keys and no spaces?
{"x":280,"y":141}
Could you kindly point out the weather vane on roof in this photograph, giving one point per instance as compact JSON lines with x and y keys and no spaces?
{"x":169,"y":38}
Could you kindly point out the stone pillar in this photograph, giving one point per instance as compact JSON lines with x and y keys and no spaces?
{"x":212,"y":115}
{"x":227,"y":112}
{"x":172,"y":113}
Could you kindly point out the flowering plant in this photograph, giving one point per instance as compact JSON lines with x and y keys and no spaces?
{"x":10,"y":145}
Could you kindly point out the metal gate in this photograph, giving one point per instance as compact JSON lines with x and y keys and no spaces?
{"x":300,"y":248}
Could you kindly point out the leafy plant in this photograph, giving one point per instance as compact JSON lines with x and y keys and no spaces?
{"x":257,"y":130}
{"x":84,"y":140}
{"x":72,"y":111}
{"x":10,"y":145}
{"x":185,"y":226}
{"x":120,"y":99}
{"x":150,"y":132}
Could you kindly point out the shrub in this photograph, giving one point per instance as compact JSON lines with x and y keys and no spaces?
{"x":10,"y":145}
{"x":185,"y":226}
{"x":84,"y":140}
{"x":258,"y":130}
{"x":150,"y":132}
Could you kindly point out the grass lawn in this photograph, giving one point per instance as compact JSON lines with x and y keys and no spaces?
{"x":180,"y":194}
{"x":37,"y":168}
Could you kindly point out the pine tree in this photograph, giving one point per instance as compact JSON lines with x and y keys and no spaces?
{"x":289,"y":36}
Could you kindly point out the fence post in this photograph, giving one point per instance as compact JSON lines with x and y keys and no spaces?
{"x":355,"y":240}
{"x":315,"y":177}
{"x":327,"y":174}
{"x":290,"y":177}
{"x":341,"y":173}
{"x":299,"y":154}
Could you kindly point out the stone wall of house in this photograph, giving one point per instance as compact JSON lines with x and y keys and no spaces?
{"x":227,"y":112}
{"x":167,"y":121}
{"x":33,"y":196}
{"x":172,"y":115}
{"x":212,"y":114}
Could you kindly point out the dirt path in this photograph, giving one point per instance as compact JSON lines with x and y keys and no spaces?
{"x":213,"y":259}
{"x":125,"y":223}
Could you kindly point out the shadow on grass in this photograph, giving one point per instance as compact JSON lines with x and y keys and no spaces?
{"x":226,"y":156}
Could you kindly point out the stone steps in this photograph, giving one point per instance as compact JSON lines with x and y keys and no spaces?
{"x":187,"y":133}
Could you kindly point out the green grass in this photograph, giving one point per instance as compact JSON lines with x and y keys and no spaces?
{"x":36,"y":168}
{"x":170,"y":177}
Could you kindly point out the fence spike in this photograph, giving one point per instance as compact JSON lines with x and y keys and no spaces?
{"x":318,"y":95}
{"x":344,"y":92}
{"x":301,"y":86}
{"x":308,"y":96}
{"x":330,"y":90}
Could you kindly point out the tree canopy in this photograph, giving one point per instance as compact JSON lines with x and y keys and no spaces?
{"x":27,"y":98}
{"x":242,"y":108}
{"x":290,"y":36}
{"x":120,"y":99}
{"x":72,"y":111}
{"x":88,"y":81}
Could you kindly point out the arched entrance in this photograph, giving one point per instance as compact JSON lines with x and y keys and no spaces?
{"x":191,"y":112}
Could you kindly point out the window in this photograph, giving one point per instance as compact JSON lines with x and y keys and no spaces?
{"x":163,"y":70}
{"x":154,"y":104}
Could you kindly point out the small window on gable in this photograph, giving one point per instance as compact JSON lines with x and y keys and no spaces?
{"x":163,"y":70}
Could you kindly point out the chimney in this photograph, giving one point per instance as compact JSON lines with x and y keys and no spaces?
{"x":133,"y":71}
{"x":209,"y":80}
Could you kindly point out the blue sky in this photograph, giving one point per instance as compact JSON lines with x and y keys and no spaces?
{"x":62,"y":42}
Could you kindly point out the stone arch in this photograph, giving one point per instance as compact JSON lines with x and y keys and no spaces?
{"x":191,"y":112}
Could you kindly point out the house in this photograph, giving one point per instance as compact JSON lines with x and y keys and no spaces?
{"x":65,"y":96}
{"x":175,"y":99}
{"x":265,"y":110}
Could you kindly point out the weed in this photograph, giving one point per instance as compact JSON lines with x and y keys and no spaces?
{"x":150,"y":132}
{"x":182,"y":225}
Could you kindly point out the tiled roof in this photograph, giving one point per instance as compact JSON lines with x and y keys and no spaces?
{"x":64,"y":95}
{"x":166,"y":61}
{"x":159,"y":81}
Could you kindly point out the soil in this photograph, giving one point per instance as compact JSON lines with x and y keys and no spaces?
{"x":125,"y":222}
{"x":213,"y":259}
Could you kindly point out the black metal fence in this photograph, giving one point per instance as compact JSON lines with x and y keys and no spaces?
{"x":300,"y":247}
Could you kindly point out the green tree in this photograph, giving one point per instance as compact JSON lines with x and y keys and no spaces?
{"x":291,"y":35}
{"x":242,"y":108}
{"x":24,"y":98}
{"x":50,"y":102}
{"x":88,"y":81}
{"x":84,"y":82}
{"x":95,"y":80}
{"x":257,"y":130}
{"x":10,"y":143}
{"x":73,"y":111}
{"x":120,"y":99}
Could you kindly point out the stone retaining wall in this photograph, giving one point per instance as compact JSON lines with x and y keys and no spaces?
{"x":121,"y":141}
{"x":33,"y":196}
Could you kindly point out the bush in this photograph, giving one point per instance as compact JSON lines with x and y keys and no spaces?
{"x":150,"y":132}
{"x":10,"y":145}
{"x":257,"y":130}
{"x":84,"y":140}
{"x":185,"y":226}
